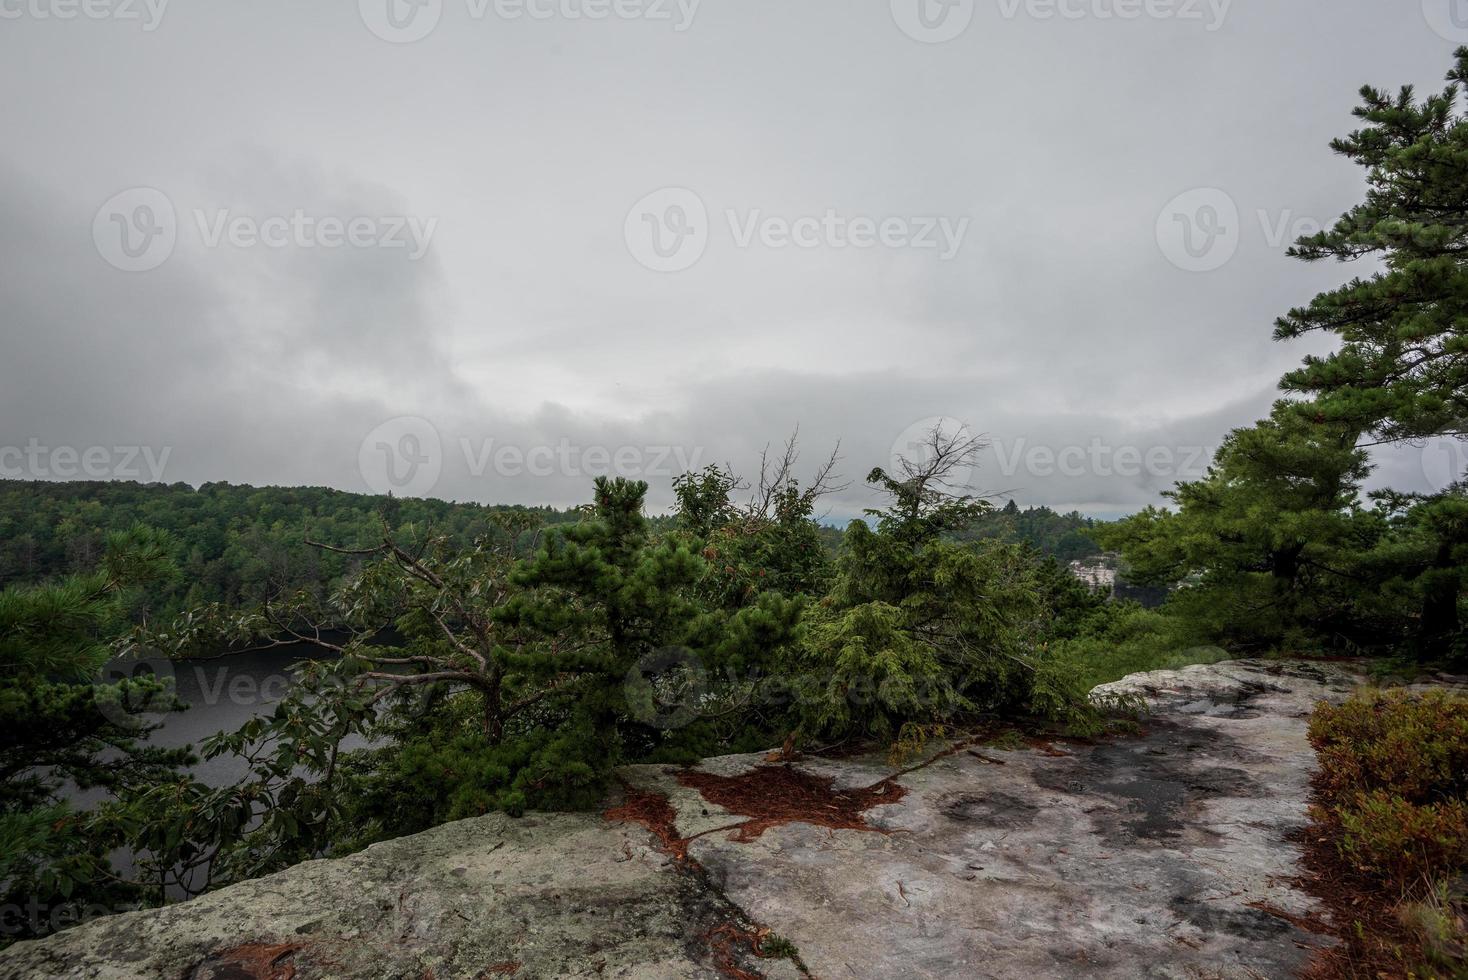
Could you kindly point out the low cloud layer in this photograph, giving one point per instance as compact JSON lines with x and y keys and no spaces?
{"x":277,"y":245}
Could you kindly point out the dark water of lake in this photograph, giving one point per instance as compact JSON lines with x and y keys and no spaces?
{"x":222,"y":694}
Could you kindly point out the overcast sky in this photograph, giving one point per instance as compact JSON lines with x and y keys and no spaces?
{"x":485,"y":249}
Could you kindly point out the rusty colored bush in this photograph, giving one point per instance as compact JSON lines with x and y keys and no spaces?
{"x":1393,"y":782}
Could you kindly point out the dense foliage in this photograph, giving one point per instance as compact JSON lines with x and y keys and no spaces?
{"x":919,"y":628}
{"x":1394,"y":778}
{"x":516,"y":669}
{"x":1392,"y":792}
{"x":62,"y":731}
{"x":1266,"y":542}
{"x":234,"y":544}
{"x":1066,"y":537}
{"x":237,"y":545}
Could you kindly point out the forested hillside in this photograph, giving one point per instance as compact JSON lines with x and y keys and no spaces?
{"x":1062,"y":536}
{"x":235,"y":545}
{"x":239,"y":545}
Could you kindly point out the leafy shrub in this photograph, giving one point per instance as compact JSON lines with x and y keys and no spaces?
{"x":874,"y":674}
{"x":1393,"y":782}
{"x":1133,"y":639}
{"x":1415,"y":746}
{"x":1404,"y":841}
{"x":919,"y":630}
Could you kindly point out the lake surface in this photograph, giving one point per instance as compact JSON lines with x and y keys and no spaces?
{"x":222,"y":694}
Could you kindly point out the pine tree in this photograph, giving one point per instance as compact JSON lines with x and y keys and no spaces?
{"x":608,"y":600}
{"x":1266,"y":539}
{"x":919,"y":629}
{"x":1417,"y":566}
{"x":1402,"y":368}
{"x":59,"y":728}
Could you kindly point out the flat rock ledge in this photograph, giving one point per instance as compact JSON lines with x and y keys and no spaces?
{"x":1162,"y":854}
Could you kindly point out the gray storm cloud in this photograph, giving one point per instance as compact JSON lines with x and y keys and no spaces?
{"x":362,"y":229}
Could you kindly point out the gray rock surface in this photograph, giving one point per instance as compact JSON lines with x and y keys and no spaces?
{"x":563,"y":895}
{"x":1164,"y":854}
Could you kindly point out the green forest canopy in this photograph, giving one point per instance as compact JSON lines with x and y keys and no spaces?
{"x":239,"y":545}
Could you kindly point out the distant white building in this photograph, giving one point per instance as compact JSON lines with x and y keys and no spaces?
{"x":1099,"y":572}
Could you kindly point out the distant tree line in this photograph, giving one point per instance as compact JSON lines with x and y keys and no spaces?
{"x":1066,"y":537}
{"x":234,"y":545}
{"x":239,"y":545}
